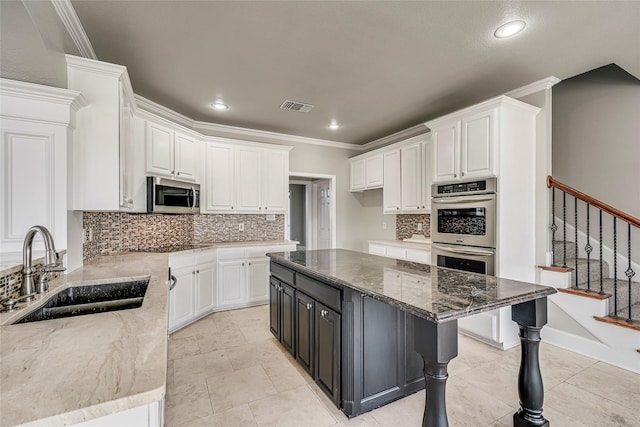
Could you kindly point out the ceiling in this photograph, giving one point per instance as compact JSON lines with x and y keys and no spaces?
{"x":375,"y":67}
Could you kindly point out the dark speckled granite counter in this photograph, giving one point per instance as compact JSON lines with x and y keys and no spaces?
{"x":441,"y":295}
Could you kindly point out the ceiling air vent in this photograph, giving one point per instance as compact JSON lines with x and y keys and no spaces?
{"x":300,"y":107}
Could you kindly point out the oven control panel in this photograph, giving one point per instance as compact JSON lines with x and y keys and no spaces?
{"x":469,"y":187}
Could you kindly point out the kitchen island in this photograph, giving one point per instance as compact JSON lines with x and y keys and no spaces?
{"x":328,"y":308}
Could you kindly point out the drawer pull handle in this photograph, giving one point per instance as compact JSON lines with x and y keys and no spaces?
{"x":309,"y":306}
{"x":323,"y":313}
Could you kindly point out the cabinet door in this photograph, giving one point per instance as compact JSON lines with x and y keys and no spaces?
{"x":231,"y":284}
{"x":258,"y":279}
{"x":391,"y":192}
{"x":274,"y":307}
{"x":181,"y":298}
{"x":186,"y":157}
{"x":305,"y":313}
{"x":275,"y":188}
{"x":445,"y":146}
{"x":219,"y":188}
{"x":159,"y":142}
{"x":426,"y":176}
{"x":328,"y":351}
{"x":287,"y":325}
{"x":414,"y":364}
{"x":126,"y":153}
{"x":411,"y":178}
{"x":374,"y":171}
{"x":477,"y":145}
{"x":249,"y":162}
{"x":205,"y":288}
{"x":356,"y":168}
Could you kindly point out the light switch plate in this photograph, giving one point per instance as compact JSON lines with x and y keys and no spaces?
{"x":271,"y":217}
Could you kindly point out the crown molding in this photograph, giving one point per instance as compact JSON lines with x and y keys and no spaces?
{"x":36,"y":92}
{"x":74,"y":27}
{"x":416,"y":130}
{"x":234,"y":131}
{"x":95,"y":66}
{"x":538,"y":86}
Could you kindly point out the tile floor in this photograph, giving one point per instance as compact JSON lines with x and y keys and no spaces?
{"x":228,"y":370}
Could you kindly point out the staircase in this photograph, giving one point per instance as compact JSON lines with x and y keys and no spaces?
{"x":596,"y":311}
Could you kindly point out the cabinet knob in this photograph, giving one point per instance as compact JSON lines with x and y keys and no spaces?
{"x":309,"y":306}
{"x":259,"y":208}
{"x":243,"y":264}
{"x":193,"y":272}
{"x":266,"y":207}
{"x":173,"y":172}
{"x":198,"y":271}
{"x":423,"y":207}
{"x":397,"y":208}
{"x":249,"y":263}
{"x":231,"y":207}
{"x":461,"y":173}
{"x":178,"y":174}
{"x":323,"y":313}
{"x":455,"y":175}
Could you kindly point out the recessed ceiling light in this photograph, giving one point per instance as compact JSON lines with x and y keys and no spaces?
{"x":509,"y":29}
{"x":219,"y":105}
{"x":334,"y":125}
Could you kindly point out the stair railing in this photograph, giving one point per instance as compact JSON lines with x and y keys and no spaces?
{"x":617,"y":214}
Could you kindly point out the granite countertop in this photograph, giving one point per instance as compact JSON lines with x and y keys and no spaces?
{"x":403,"y":244}
{"x":65,"y":371}
{"x":443,"y":294}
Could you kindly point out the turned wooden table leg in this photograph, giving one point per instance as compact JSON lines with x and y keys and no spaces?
{"x":437,"y":343}
{"x":531,"y":317}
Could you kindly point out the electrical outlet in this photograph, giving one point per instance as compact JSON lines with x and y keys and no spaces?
{"x":241,"y":226}
{"x":384,"y":225}
{"x":271,"y":217}
{"x":90,"y":234}
{"x":419,"y":226}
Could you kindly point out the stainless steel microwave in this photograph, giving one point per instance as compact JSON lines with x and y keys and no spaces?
{"x":170,"y":196}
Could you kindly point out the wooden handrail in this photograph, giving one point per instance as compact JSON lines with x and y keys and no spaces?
{"x":629,"y":219}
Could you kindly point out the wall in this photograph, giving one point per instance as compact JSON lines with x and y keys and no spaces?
{"x":298,"y":212}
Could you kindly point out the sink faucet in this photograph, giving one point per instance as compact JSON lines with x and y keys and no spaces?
{"x":53,"y":262}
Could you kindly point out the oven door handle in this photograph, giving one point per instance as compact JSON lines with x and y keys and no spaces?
{"x":193,"y":195}
{"x":464,"y":251}
{"x":466,"y":199}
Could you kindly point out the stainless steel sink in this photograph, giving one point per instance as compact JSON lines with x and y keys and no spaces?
{"x":81,"y":300}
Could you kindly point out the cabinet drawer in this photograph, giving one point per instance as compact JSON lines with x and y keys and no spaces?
{"x":206,"y":256}
{"x":324,"y":293}
{"x":282,"y":273}
{"x":231,"y":254}
{"x":397,"y":253}
{"x":181,"y":261}
{"x":423,"y":257}
{"x":258,"y":251}
{"x":377,"y":250}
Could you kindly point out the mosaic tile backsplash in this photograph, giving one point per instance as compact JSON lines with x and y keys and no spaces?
{"x":10,"y":283}
{"x":407,"y":225}
{"x":114,"y":232}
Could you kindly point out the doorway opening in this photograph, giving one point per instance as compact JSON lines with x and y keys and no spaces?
{"x":311,"y":218}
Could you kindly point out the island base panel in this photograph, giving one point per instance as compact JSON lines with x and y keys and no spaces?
{"x":531,"y":316}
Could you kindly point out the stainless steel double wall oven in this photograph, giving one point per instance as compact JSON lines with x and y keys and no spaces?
{"x":463,"y":225}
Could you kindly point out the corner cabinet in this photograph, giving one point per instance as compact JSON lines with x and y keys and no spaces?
{"x":358,"y":350}
{"x":467,"y":144}
{"x":106,"y":152}
{"x":245,"y":179}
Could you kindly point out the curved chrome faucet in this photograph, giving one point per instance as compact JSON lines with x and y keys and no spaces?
{"x":53,"y":262}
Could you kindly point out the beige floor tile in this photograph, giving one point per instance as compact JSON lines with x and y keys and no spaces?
{"x":589,"y":408}
{"x":254,"y":354}
{"x":170,"y":376}
{"x":284,"y":375}
{"x":494,"y":379}
{"x":404,"y":412}
{"x":187,"y":403}
{"x":240,"y":416}
{"x":296,"y":407}
{"x":624,"y":389}
{"x":256,"y":332}
{"x":471,"y":406}
{"x":191,"y":384}
{"x":201,"y":326}
{"x":336,"y":413}
{"x":187,"y":346}
{"x":220,"y":340}
{"x":364,"y":420}
{"x":205,"y":365}
{"x":239,"y":387}
{"x":554,"y":417}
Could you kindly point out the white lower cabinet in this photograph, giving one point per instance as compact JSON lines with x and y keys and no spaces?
{"x":231,"y":283}
{"x":403,"y":252}
{"x":257,"y":279}
{"x":150,"y":415}
{"x":194,"y":294}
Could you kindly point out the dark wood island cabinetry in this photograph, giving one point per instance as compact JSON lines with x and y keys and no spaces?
{"x":370,"y":330}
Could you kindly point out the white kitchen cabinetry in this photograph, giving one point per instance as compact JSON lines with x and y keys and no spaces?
{"x":411,"y":177}
{"x":36,"y":124}
{"x":403,"y":251}
{"x":468,"y":144}
{"x":150,"y":415}
{"x":170,"y":153}
{"x":106,"y":154}
{"x":367,"y":171}
{"x":194,"y":294}
{"x":245,"y":179}
{"x":391,"y":192}
{"x":243,"y":275}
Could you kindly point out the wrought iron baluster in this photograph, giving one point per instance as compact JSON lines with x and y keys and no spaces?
{"x":588,"y":248}
{"x":564,"y":229}
{"x":601,"y":284}
{"x":629,"y":272}
{"x":575,"y":226}
{"x":615,"y":268}
{"x":554,"y":227}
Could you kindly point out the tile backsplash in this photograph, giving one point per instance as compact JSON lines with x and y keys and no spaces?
{"x":113,"y":232}
{"x":407,"y":225}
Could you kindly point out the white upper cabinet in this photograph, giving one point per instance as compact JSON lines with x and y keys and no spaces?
{"x":366,"y":172}
{"x":467,"y":144}
{"x":107,"y":153}
{"x":391,"y":191}
{"x":245,"y":179}
{"x":219,"y":191}
{"x":427,"y":164}
{"x":171,"y":153}
{"x":411,"y":177}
